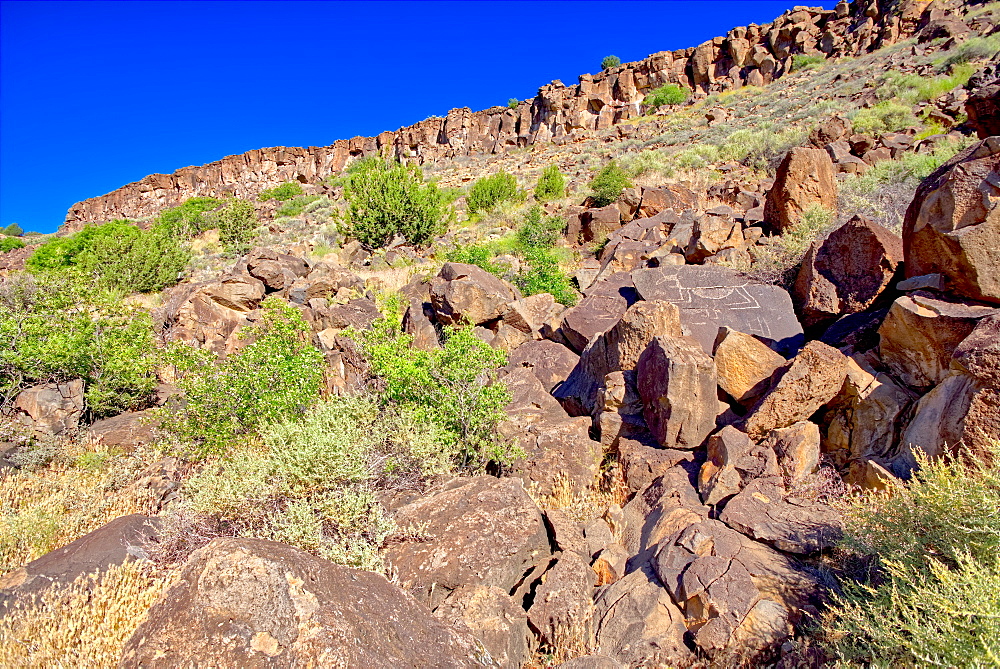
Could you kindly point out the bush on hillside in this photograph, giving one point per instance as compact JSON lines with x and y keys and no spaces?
{"x":11,"y":243}
{"x":277,"y":376}
{"x":668,"y":94}
{"x":610,"y":61}
{"x":488,"y":192}
{"x":973,"y":50}
{"x":884,"y":117}
{"x":13,"y":230}
{"x":296,"y":206}
{"x":512,"y":103}
{"x":187,"y":219}
{"x":551,"y":184}
{"x":542,"y":274}
{"x":237,"y":224}
{"x":608,"y":184}
{"x":285,"y":191}
{"x":804,"y":61}
{"x":386,"y":199}
{"x":538,"y":230}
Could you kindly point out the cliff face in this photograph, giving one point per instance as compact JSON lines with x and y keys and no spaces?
{"x":752,"y":55}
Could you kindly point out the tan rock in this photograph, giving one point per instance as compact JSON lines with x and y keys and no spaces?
{"x":797,"y":448}
{"x":51,"y":408}
{"x":563,"y":604}
{"x":806,"y":177}
{"x":494,"y":618}
{"x":468,"y":294}
{"x":745,"y":364}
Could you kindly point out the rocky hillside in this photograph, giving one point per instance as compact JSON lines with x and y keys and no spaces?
{"x":691,"y":364}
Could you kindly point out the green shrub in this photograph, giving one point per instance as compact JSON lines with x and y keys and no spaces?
{"x":884,"y":117}
{"x":539,"y":231}
{"x":285,"y":191}
{"x":487,"y":192}
{"x":13,"y":230}
{"x":551,"y":184}
{"x":386,"y":199}
{"x":480,"y":255}
{"x":10,"y":243}
{"x":667,"y":94}
{"x":696,"y":157}
{"x":187,"y":219}
{"x":973,"y":50}
{"x":760,"y":148}
{"x":296,"y":206}
{"x":934,"y":590}
{"x":804,"y":61}
{"x":542,"y":274}
{"x":610,"y":61}
{"x":277,"y":376}
{"x":512,"y":103}
{"x":237,"y":224}
{"x":644,"y":162}
{"x":608,"y":184}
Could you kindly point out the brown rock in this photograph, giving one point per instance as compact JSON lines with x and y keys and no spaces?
{"x":594,"y":315}
{"x":745,"y":365}
{"x":667,"y":196}
{"x":804,"y":178}
{"x":529,"y":314}
{"x":467,"y":294}
{"x":677,"y":382}
{"x":563,"y":604}
{"x":250,"y":602}
{"x":797,"y":448}
{"x":51,"y":408}
{"x":551,"y":363}
{"x":418,"y":325}
{"x":844,"y":273}
{"x":710,"y":235}
{"x":733,"y":461}
{"x":979,"y":353}
{"x":599,"y":223}
{"x":952,"y":226}
{"x":983,"y":109}
{"x":126,"y":430}
{"x":642,"y":464}
{"x":495,"y":620}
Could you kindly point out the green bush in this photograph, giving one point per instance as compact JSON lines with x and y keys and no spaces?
{"x":187,"y":219}
{"x":668,"y":94}
{"x":542,"y":274}
{"x":237,"y":224}
{"x":488,"y":192}
{"x":539,"y":231}
{"x":973,"y":50}
{"x":932,"y":595}
{"x":551,"y":184}
{"x":285,"y":191}
{"x":13,"y":230}
{"x":761,"y":148}
{"x":10,"y":243}
{"x":386,"y":199}
{"x":608,"y":184}
{"x":277,"y":376}
{"x":58,"y":327}
{"x":117,"y":255}
{"x":804,"y":61}
{"x":884,"y":117}
{"x":296,"y":206}
{"x":512,"y":103}
{"x":610,"y":61}
{"x":480,"y":255}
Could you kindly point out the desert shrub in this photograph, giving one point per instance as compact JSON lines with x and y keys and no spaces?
{"x":777,"y":262}
{"x":237,"y":225}
{"x":932,"y":593}
{"x":911,"y":89}
{"x":275,"y":377}
{"x":480,"y":255}
{"x":761,"y":148}
{"x":187,"y":219}
{"x":887,"y":116}
{"x":610,"y":61}
{"x":551,"y":184}
{"x":512,"y":103}
{"x":542,"y":274}
{"x":668,"y":94}
{"x":644,"y":162}
{"x":55,"y":327}
{"x":386,"y":199}
{"x":805,"y":61}
{"x":285,"y":191}
{"x":608,"y":184}
{"x":695,"y":157}
{"x":487,"y":192}
{"x":13,"y":230}
{"x":538,"y":230}
{"x":973,"y":50}
{"x":11,"y":243}
{"x":296,"y":205}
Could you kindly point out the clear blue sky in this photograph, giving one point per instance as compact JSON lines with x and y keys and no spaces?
{"x":94,"y":95}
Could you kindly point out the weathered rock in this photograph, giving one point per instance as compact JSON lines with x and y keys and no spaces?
{"x":358,"y":314}
{"x":983,"y":110}
{"x":642,"y":464}
{"x":677,"y":382}
{"x":210,"y":315}
{"x":417,"y":324}
{"x":733,"y":461}
{"x":920,"y":334}
{"x":494,"y":619}
{"x":276,"y":270}
{"x":618,"y":414}
{"x":805,"y":178}
{"x":599,"y":223}
{"x":594,"y":315}
{"x":51,"y":408}
{"x":745,"y":364}
{"x":667,"y":196}
{"x":127,"y":430}
{"x":563,"y":608}
{"x":813,"y":378}
{"x":529,"y":314}
{"x":847,"y":271}
{"x":592,"y":662}
{"x":551,"y":363}
{"x":112,"y":544}
{"x":478,"y":531}
{"x":467,"y":294}
{"x":713,"y":297}
{"x":251,"y":602}
{"x":610,"y":564}
{"x":979,"y":353}
{"x":710,"y":235}
{"x":952,"y":226}
{"x":796,"y":526}
{"x":797,"y":448}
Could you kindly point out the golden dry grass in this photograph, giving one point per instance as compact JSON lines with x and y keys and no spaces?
{"x":84,"y":624}
{"x":588,"y":504}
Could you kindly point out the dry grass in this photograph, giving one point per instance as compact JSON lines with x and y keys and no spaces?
{"x":569,"y":642}
{"x":586,"y":505}
{"x":84,"y":624}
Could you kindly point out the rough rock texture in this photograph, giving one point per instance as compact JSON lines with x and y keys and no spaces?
{"x":983,"y":110}
{"x":128,"y":429}
{"x":495,"y":620}
{"x":121,"y":539}
{"x":551,"y":363}
{"x":745,"y":365}
{"x":712,"y":297}
{"x":677,"y":382}
{"x":805,"y":178}
{"x":797,"y":448}
{"x":813,"y":378}
{"x":952,"y":226}
{"x":979,"y":353}
{"x":594,"y":315}
{"x":51,"y":408}
{"x":468,"y":294}
{"x":478,"y":531}
{"x":847,"y":271}
{"x":733,"y":461}
{"x":564,"y":601}
{"x":256,"y":603}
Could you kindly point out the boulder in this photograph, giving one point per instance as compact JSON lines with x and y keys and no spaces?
{"x":618,"y":414}
{"x":797,"y":448}
{"x":677,"y":382}
{"x":495,"y":620}
{"x":112,"y":544}
{"x":642,"y":464}
{"x":257,"y":603}
{"x":733,"y":461}
{"x":51,"y":408}
{"x":710,"y":297}
{"x":594,"y":315}
{"x":805,"y":178}
{"x":417,"y":324}
{"x":667,"y":196}
{"x":529,"y":314}
{"x":745,"y":365}
{"x":711,"y":234}
{"x":551,"y":363}
{"x":599,"y":223}
{"x":952,"y":226}
{"x":847,"y":271}
{"x":983,"y":109}
{"x":810,"y":380}
{"x":468,"y":294}
{"x":920,"y":334}
{"x":563,"y":608}
{"x":276,"y":270}
{"x":475,"y":531}
{"x":126,"y":430}
{"x":591,"y":662}
{"x":979,"y":353}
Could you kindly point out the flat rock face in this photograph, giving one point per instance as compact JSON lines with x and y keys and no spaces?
{"x":477,"y":531}
{"x":51,"y":408}
{"x":745,"y":365}
{"x":468,"y":294}
{"x":952,"y":226}
{"x":494,"y":618}
{"x":550,"y":362}
{"x":804,"y":178}
{"x":564,"y":600}
{"x":256,"y":603}
{"x":594,"y":315}
{"x":711,"y":297}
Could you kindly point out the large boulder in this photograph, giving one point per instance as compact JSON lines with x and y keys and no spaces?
{"x":847,"y":271}
{"x":952,"y":226}
{"x":595,"y":314}
{"x":983,"y":109}
{"x":495,"y":620}
{"x":745,"y":365}
{"x":667,"y":196}
{"x":51,"y":408}
{"x":563,"y":607}
{"x":276,"y":270}
{"x":805,"y":178}
{"x":550,"y":362}
{"x":257,"y":603}
{"x":475,"y":531}
{"x":468,"y":294}
{"x":710,"y":297}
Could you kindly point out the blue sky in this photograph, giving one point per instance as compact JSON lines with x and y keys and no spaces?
{"x":94,"y":95}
